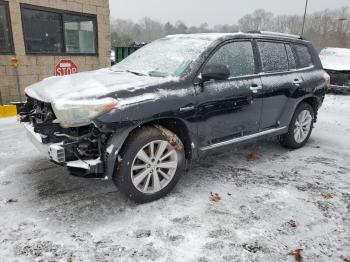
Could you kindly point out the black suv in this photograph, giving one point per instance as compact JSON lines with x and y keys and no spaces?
{"x":173,"y":100}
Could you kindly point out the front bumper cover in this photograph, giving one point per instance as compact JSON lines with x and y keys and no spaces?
{"x":57,"y":154}
{"x":36,"y":139}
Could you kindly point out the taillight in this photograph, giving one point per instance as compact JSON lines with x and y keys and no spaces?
{"x":327,"y":79}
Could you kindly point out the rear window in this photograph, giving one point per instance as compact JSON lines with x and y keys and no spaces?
{"x":304,"y":56}
{"x":273,"y":56}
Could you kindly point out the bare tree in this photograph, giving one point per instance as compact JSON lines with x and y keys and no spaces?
{"x":325,"y":28}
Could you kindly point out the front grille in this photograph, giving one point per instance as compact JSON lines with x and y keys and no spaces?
{"x":37,"y":112}
{"x":43,"y":112}
{"x":41,"y":117}
{"x":339,"y":78}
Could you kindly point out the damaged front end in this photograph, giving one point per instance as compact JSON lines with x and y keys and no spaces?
{"x":340,"y":81}
{"x":81,"y":149}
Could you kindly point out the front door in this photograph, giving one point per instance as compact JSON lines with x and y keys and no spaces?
{"x":229,"y":109}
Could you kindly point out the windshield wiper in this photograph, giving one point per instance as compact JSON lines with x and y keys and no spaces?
{"x":130,"y":71}
{"x":135,"y":73}
{"x":157,"y":74}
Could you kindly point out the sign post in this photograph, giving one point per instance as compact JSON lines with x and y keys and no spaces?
{"x":15,"y":64}
{"x":66,"y":67}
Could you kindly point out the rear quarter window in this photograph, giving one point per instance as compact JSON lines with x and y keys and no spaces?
{"x":273,"y":56}
{"x":304,"y":56}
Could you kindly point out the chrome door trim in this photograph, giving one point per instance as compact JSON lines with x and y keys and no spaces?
{"x":187,"y":108}
{"x":244,"y":138}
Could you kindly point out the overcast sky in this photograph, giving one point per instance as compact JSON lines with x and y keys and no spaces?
{"x":195,"y":12}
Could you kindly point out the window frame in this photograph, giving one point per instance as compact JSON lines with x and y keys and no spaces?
{"x":284,"y":43}
{"x":61,"y":12}
{"x":5,"y":4}
{"x":291,"y":46}
{"x":231,"y":41}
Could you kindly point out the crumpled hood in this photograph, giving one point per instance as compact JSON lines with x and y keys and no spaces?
{"x":336,"y":62}
{"x":89,"y":85}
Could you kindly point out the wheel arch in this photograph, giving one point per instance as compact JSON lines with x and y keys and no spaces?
{"x":178,"y":127}
{"x":313,"y":102}
{"x":118,"y":141}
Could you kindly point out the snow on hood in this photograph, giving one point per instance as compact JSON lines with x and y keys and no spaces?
{"x":335,"y":59}
{"x":88,"y":85}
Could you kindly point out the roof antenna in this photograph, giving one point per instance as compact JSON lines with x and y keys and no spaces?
{"x":302,"y":30}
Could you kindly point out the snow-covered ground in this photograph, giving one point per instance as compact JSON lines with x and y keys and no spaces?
{"x":284,"y":201}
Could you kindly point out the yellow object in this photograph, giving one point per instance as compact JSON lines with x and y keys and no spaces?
{"x":14,"y":62}
{"x":8,"y":111}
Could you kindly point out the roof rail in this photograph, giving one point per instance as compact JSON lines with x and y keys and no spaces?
{"x":275,"y":34}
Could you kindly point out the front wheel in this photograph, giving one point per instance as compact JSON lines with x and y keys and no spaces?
{"x":300,"y":127}
{"x":152,"y":161}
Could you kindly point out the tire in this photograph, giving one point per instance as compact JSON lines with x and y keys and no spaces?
{"x":136,"y":174}
{"x":290,"y":140}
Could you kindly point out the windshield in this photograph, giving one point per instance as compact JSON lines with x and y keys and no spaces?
{"x":169,"y":56}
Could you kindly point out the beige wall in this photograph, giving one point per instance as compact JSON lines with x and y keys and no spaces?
{"x":34,"y":68}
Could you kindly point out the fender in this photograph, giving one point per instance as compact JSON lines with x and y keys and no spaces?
{"x":114,"y":145}
{"x":116,"y":142}
{"x":287,"y":115}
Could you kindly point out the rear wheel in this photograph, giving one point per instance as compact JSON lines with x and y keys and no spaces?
{"x":152,"y":162}
{"x":300,"y":127}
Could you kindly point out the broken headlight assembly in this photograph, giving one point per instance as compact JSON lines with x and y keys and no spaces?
{"x":74,"y":113}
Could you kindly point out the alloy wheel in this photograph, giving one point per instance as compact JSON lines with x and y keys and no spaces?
{"x":302,"y":126}
{"x":154,"y":167}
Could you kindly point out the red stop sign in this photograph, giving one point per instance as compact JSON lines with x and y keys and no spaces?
{"x":65,"y":67}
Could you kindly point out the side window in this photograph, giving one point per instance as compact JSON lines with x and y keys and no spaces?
{"x":237,"y":56}
{"x":273,"y":56}
{"x":291,"y":57}
{"x":304,"y":56}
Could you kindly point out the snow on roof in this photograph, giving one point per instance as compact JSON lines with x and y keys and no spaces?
{"x":205,"y":36}
{"x":215,"y":36}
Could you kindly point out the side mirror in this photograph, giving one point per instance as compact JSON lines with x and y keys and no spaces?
{"x":215,"y":72}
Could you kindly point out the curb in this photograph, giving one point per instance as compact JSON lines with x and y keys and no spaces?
{"x":8,"y":111}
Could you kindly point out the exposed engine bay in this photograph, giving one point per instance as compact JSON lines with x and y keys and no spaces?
{"x":80,"y":149}
{"x":339,"y":78}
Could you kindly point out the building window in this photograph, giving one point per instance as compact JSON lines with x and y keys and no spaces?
{"x":49,"y":31}
{"x":6,"y":44}
{"x":79,"y":33}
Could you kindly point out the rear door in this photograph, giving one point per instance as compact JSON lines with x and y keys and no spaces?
{"x":231,"y":108}
{"x":279,"y":79}
{"x":310,"y":75}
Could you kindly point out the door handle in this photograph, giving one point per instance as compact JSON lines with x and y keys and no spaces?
{"x":297,"y":82}
{"x":255,"y":88}
{"x":186,"y":109}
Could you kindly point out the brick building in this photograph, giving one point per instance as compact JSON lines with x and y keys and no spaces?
{"x":40,"y":33}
